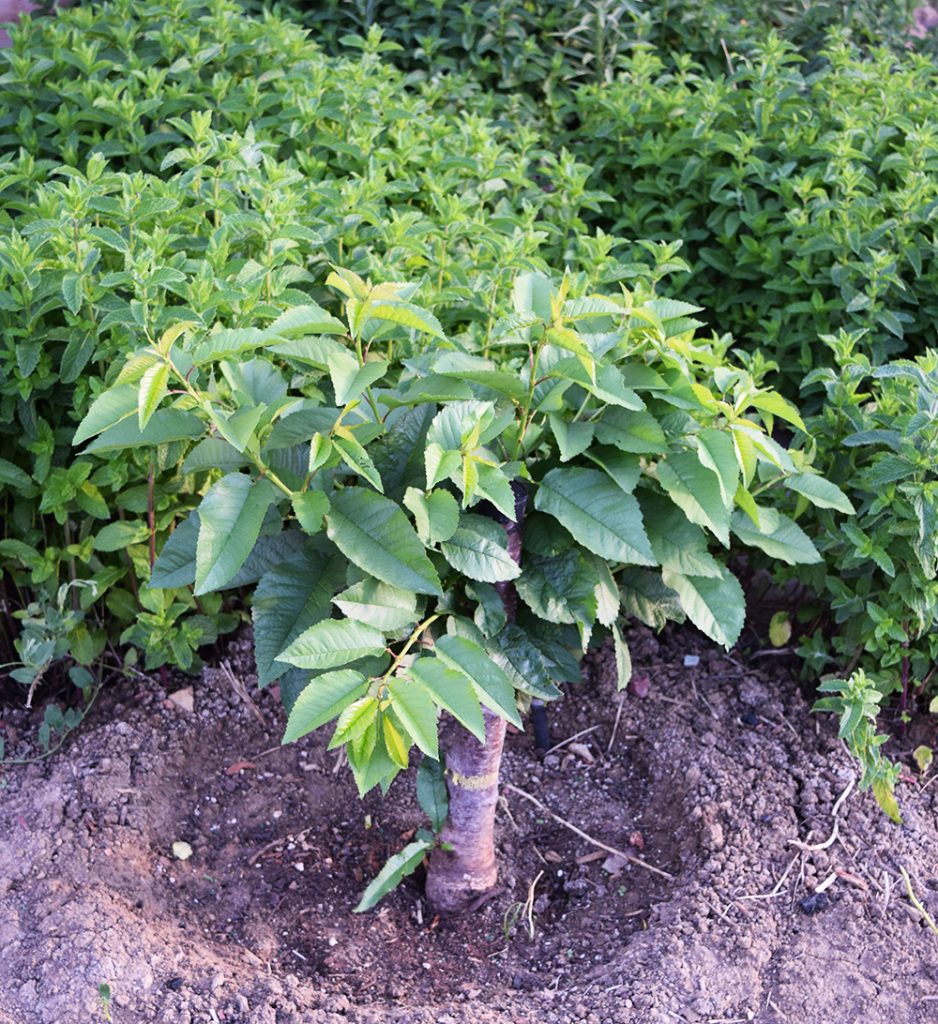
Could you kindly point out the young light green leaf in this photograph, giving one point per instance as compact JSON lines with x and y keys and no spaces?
{"x":152,"y":390}
{"x":623,"y":659}
{"x":436,"y":514}
{"x":349,"y":379}
{"x":716,"y":451}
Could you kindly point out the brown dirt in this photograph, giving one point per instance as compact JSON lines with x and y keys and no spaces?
{"x":716,"y":769}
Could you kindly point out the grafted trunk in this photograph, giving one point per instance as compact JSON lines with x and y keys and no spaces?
{"x":457,"y":876}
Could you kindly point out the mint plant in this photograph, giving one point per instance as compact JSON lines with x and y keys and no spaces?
{"x":442,"y":524}
{"x":878,"y":436}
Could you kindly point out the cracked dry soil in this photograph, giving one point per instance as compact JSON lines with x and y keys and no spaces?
{"x":709,"y":778}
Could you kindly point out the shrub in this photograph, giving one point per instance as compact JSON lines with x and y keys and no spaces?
{"x":806,"y":202}
{"x":877,"y":437}
{"x":445,"y":523}
{"x":178,"y":161}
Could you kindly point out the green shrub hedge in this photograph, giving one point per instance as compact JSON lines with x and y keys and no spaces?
{"x":806,"y":202}
{"x":180,"y":161}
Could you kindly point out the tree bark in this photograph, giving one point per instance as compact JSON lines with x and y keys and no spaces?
{"x":457,"y":876}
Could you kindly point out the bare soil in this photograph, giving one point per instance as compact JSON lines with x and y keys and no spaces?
{"x":711,"y":778}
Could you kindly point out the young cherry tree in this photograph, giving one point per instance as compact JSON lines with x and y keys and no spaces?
{"x":437,"y":529}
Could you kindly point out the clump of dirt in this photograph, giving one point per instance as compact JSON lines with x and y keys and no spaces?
{"x":773,"y":897}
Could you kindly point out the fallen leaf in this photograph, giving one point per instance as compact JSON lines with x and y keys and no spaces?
{"x":238,"y":766}
{"x":614,"y":864}
{"x":553,"y":858}
{"x":184,"y":699}
{"x":637,"y":840}
{"x":583,"y":752}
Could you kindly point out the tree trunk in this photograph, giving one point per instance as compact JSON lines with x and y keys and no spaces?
{"x":459,"y":875}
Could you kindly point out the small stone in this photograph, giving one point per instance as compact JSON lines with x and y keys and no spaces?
{"x":182,"y":851}
{"x":184,"y":699}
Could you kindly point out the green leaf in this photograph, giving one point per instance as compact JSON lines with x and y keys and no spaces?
{"x":676,"y":542}
{"x":14,"y":477}
{"x":213,"y":453}
{"x":379,"y":605}
{"x":451,"y":690}
{"x":358,"y":720}
{"x":152,"y":391}
{"x":416,"y":710}
{"x":623,"y":659}
{"x":230,"y":515}
{"x":119,"y":535}
{"x":698,"y":491}
{"x":626,"y":470}
{"x":631,"y":431}
{"x":238,"y":427}
{"x":521,"y":661}
{"x":373,"y":532}
{"x":333,"y":643}
{"x":407,"y":315}
{"x":787,"y":541}
{"x":289,"y":599}
{"x":436,"y":514}
{"x":597,"y":513}
{"x":309,"y":508}
{"x":493,"y":687}
{"x":303,"y":320}
{"x":775,"y":405}
{"x":561,"y":588}
{"x":349,"y":379}
{"x":573,"y":438}
{"x":175,"y":565}
{"x":357,"y":459}
{"x":390,"y":876}
{"x":477,"y":550}
{"x":322,"y":699}
{"x":716,"y":607}
{"x":110,"y":407}
{"x":432,"y":794}
{"x":779,"y":629}
{"x":165,"y":425}
{"x":716,"y":451}
{"x":820,"y":492}
{"x":72,"y":292}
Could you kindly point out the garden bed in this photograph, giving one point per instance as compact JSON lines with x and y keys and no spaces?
{"x":709,"y":777}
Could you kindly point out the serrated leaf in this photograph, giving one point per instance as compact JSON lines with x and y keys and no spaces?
{"x":716,"y":607}
{"x":820,"y":492}
{"x":597,"y":514}
{"x":623,"y":659}
{"x":175,"y":565}
{"x":110,"y":407}
{"x":322,"y":699}
{"x":395,"y":744}
{"x":349,"y":379}
{"x":165,"y":425}
{"x":677,"y":542}
{"x":119,"y":535}
{"x":152,"y":391}
{"x":716,"y":451}
{"x":309,"y":509}
{"x":637,"y":432}
{"x":493,"y":687}
{"x":213,"y":453}
{"x":452,"y":691}
{"x":786,"y":541}
{"x":357,"y":719}
{"x":390,"y":876}
{"x":13,"y":476}
{"x":477,"y":550}
{"x":373,"y":532}
{"x":560,"y":588}
{"x":289,"y":599}
{"x":697,"y":491}
{"x":436,"y":514}
{"x":379,"y":605}
{"x":519,"y":658}
{"x":405,"y":314}
{"x":72,"y":292}
{"x":230,"y":516}
{"x":417,"y":712}
{"x":333,"y":643}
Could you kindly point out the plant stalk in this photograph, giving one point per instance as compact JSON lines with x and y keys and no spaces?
{"x":468,"y":868}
